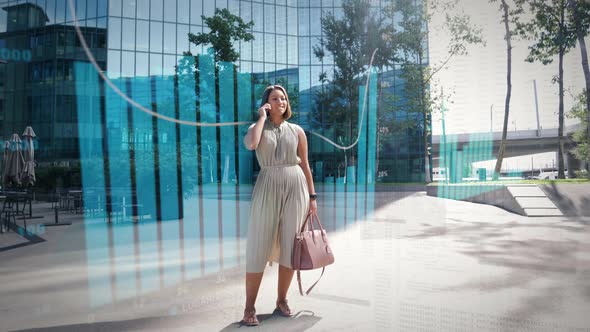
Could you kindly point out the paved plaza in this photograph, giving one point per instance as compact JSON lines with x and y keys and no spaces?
{"x":415,"y":263}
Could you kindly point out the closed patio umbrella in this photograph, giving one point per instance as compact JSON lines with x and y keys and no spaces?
{"x":5,"y":160}
{"x":28,"y":172}
{"x":14,"y":163}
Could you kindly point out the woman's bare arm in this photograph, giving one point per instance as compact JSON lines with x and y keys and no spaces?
{"x":302,"y":153}
{"x":252,"y":138}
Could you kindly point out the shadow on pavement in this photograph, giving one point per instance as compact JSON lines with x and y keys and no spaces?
{"x":146,"y":323}
{"x":571,"y":199}
{"x":301,"y":321}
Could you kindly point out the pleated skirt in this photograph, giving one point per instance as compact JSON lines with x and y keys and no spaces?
{"x":280,"y":202}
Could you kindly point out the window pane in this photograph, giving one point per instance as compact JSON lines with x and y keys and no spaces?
{"x":155,"y":64}
{"x":81,"y":9}
{"x":292,"y":21}
{"x":113,"y":64}
{"x":246,"y":50}
{"x":269,"y":18}
{"x":169,"y":41}
{"x":208,"y":8}
{"x":142,"y":42}
{"x":246,"y":11}
{"x":91,"y":9}
{"x":157,"y":8}
{"x":196,"y":12}
{"x":269,"y":48}
{"x":115,"y":8}
{"x":281,"y":45}
{"x":169,"y":64}
{"x":257,"y":47}
{"x":128,"y":64}
{"x":315,"y":42}
{"x":143,"y":9}
{"x":128,"y":42}
{"x":234,"y":7}
{"x":101,"y":23}
{"x":141,"y":64}
{"x":315,"y":75}
{"x":293,"y":50}
{"x":316,"y":20}
{"x":281,"y":19}
{"x":183,"y":11}
{"x":182,"y":38}
{"x":101,"y":8}
{"x":304,"y":21}
{"x":194,"y":48}
{"x":60,"y":11}
{"x":129,"y":9}
{"x":156,"y":36}
{"x":257,"y":16}
{"x":170,"y":11}
{"x":304,"y":51}
{"x":114,"y":33}
{"x":221,"y":4}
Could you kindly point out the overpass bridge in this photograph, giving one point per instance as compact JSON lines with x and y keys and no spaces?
{"x":472,"y":147}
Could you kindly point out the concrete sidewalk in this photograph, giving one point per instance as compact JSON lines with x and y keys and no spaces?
{"x":418,"y":263}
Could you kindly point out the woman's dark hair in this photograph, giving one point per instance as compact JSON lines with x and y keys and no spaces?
{"x":267,"y":93}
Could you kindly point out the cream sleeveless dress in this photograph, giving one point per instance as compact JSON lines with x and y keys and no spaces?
{"x":280,"y":199}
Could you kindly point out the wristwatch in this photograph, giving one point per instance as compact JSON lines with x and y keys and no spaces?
{"x":313,"y":196}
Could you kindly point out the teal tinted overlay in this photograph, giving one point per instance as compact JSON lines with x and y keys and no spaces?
{"x":118,"y":140}
{"x":93,"y":179}
{"x":371,"y":144}
{"x":208,"y":139}
{"x":456,"y":161}
{"x":143,"y":144}
{"x":245,"y":156}
{"x":145,"y":185}
{"x":190,"y":168}
{"x":167,"y":166}
{"x":168,"y":175}
{"x":228,"y":145}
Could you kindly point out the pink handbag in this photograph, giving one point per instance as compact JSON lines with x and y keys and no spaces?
{"x":311,"y":249}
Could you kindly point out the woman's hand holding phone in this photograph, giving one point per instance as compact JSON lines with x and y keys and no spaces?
{"x":264,"y":111}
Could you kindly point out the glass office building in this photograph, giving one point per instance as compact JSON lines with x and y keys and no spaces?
{"x":116,"y":120}
{"x":133,"y":41}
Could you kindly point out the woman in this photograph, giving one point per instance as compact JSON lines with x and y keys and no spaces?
{"x":281,"y":198}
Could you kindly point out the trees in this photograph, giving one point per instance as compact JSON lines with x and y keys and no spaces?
{"x":401,"y":35}
{"x":225,"y":29}
{"x":553,"y":32}
{"x":417,"y":73}
{"x":351,"y":41}
{"x":509,"y":16}
{"x":580,"y":11}
{"x":580,"y":111}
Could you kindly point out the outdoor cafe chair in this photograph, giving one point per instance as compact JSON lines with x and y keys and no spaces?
{"x":14,"y":206}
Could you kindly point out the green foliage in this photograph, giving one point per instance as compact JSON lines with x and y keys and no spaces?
{"x":580,"y":112}
{"x":552,"y":30}
{"x":225,"y":29}
{"x":351,"y":40}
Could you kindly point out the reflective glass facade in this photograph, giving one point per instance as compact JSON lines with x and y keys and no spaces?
{"x":160,"y":203}
{"x":136,"y":41}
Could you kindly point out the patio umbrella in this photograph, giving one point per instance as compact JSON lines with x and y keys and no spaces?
{"x":5,"y":160}
{"x":28,"y":172}
{"x":14,"y":163}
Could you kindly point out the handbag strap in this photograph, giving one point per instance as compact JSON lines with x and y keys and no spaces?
{"x":312,"y":286}
{"x":310,"y":218}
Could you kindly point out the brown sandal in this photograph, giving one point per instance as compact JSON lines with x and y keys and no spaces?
{"x":283,"y":309}
{"x":249,"y":318}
